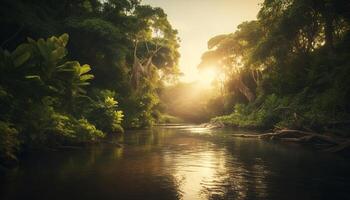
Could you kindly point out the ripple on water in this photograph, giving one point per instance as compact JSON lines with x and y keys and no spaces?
{"x":182,"y":162}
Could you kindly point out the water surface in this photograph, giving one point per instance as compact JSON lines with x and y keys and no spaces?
{"x":181,"y":162}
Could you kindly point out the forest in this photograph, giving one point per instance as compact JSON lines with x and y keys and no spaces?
{"x":80,"y":72}
{"x":287,"y":69}
{"x":75,"y":72}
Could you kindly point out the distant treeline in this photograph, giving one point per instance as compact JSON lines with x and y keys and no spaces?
{"x":290,"y":68}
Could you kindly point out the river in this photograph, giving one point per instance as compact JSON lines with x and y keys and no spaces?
{"x":180,"y":162}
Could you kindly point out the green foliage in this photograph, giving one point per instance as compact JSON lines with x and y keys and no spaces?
{"x":297,"y":55}
{"x":168,"y":119}
{"x":9,"y":144}
{"x":103,"y":34}
{"x":52,"y":100}
{"x":40,"y":95}
{"x":141,"y":110}
{"x":97,"y":26}
{"x":87,"y":132}
{"x":43,"y":125}
{"x":104,"y":114}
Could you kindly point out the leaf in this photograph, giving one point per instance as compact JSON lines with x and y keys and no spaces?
{"x":20,"y":50}
{"x":84,"y":69}
{"x":66,"y":70}
{"x":64,"y":38}
{"x":83,"y":84}
{"x":59,"y":53}
{"x":53,"y":88}
{"x":33,"y":77}
{"x":43,"y":49}
{"x":82,"y":91}
{"x":86,"y":77}
{"x":30,"y":40}
{"x":20,"y":60}
{"x":68,"y":66}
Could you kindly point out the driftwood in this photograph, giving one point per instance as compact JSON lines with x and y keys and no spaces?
{"x":341,"y":148}
{"x":245,"y":136}
{"x":302,"y":137}
{"x":334,"y":144}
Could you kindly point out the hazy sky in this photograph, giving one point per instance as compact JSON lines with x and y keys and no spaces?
{"x":199,"y":20}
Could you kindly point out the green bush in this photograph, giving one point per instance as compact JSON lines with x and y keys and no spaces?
{"x":9,"y":144}
{"x":265,"y":116}
{"x":104,"y":113}
{"x":164,"y":118}
{"x":44,"y":126}
{"x":141,"y":109}
{"x":40,"y":92}
{"x":86,"y":132}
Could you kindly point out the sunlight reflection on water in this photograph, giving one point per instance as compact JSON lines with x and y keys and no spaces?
{"x":199,"y":130}
{"x":180,"y":162}
{"x":209,"y":172}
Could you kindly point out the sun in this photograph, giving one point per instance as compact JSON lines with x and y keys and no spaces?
{"x":207,"y":76}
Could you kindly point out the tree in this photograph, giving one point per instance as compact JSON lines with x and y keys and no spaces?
{"x":292,"y":58}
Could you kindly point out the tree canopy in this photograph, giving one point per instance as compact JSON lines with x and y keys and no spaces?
{"x":288,"y":68}
{"x":49,"y":98}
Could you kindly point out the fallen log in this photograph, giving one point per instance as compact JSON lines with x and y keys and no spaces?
{"x":246,"y":135}
{"x":267,"y":136}
{"x":295,"y":136}
{"x":302,"y":137}
{"x":341,"y":148}
{"x":286,"y":133}
{"x":335,"y":144}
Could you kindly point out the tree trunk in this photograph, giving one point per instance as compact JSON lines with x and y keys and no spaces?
{"x":245,"y":90}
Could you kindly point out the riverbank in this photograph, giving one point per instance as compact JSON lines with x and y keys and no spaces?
{"x":326,"y":142}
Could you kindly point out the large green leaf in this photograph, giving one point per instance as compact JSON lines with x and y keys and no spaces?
{"x":43,"y":49}
{"x":69,"y":66}
{"x":58,"y":54}
{"x":86,"y":77}
{"x":64,"y":39}
{"x":20,"y":60}
{"x":84,"y":69}
{"x":20,"y":50}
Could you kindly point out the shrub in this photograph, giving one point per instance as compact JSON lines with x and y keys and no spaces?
{"x":104,"y":113}
{"x":86,"y":132}
{"x":9,"y":144}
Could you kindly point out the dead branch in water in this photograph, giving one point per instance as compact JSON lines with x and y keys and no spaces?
{"x":336,"y":145}
{"x":341,"y":148}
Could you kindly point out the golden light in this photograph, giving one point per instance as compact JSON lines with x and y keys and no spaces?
{"x":207,"y":76}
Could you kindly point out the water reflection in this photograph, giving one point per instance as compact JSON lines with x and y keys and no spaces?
{"x":208,"y":171}
{"x":180,"y":162}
